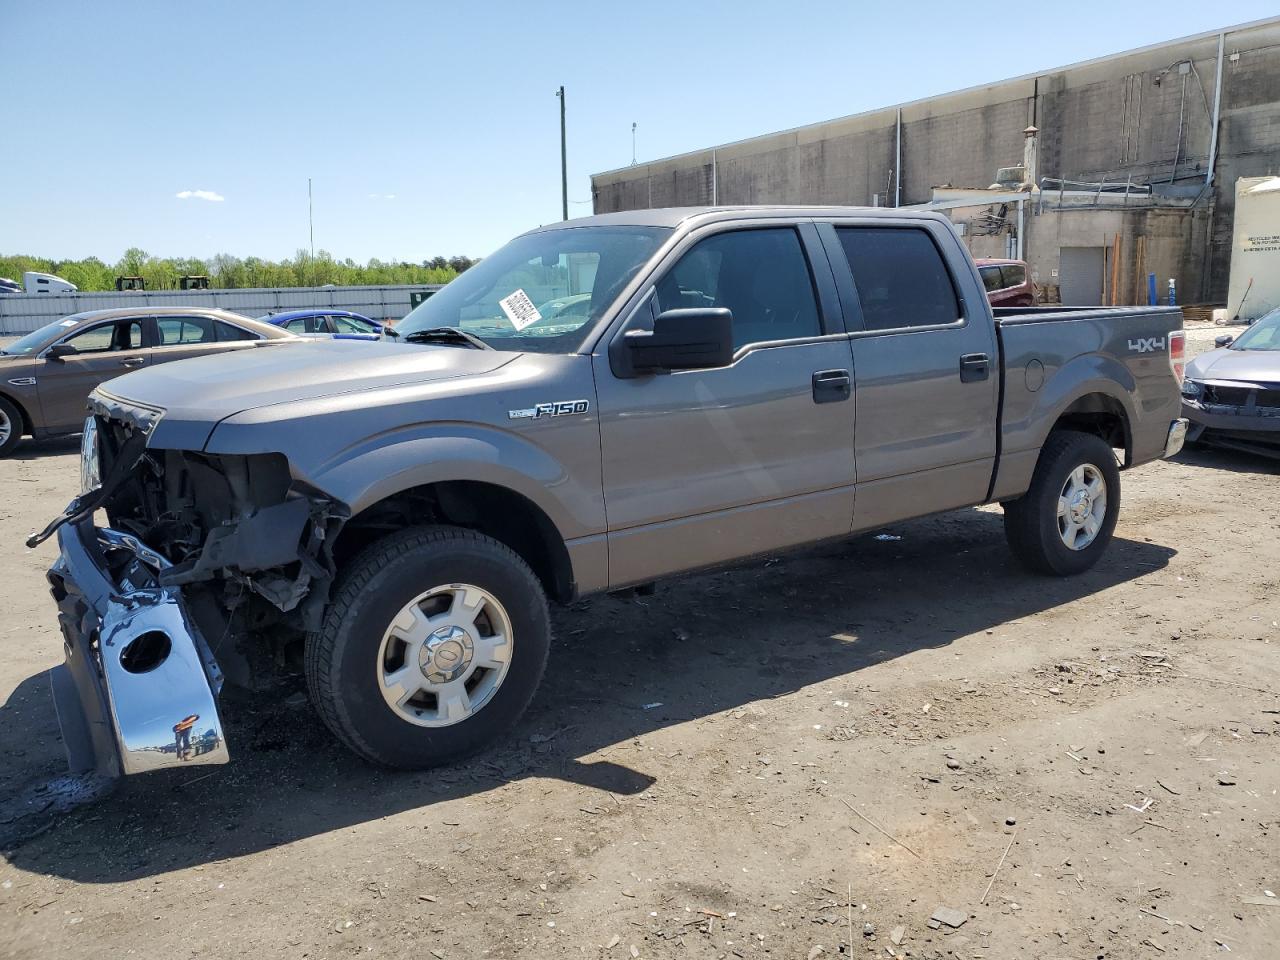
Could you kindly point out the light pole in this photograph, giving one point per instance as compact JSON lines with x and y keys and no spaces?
{"x":633,"y":143}
{"x":311,"y":223}
{"x":564,"y":162}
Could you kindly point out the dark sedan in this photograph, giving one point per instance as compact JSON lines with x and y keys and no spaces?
{"x":46,"y":376}
{"x":1231,"y":395}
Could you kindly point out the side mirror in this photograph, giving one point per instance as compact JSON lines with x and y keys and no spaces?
{"x":1223,"y":340}
{"x":695,"y":339}
{"x":60,"y":350}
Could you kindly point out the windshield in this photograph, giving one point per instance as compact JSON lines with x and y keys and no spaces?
{"x":542,"y":292}
{"x":35,"y":341}
{"x":1263,"y":335}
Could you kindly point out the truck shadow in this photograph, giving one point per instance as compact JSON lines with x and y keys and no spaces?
{"x":29,"y":449}
{"x":620,"y":669}
{"x":1232,"y":461}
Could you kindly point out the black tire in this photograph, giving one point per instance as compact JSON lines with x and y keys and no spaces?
{"x":11,"y":415}
{"x":341,"y":659}
{"x":1031,"y":522}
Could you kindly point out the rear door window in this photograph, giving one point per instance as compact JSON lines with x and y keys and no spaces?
{"x":227,"y":332}
{"x":991,"y":278}
{"x":762,"y":276}
{"x":901,"y":277}
{"x":1015,"y":274}
{"x":185,"y":330}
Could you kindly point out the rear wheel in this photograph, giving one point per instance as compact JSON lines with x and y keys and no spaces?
{"x":10,"y":427}
{"x":1064,"y":522}
{"x":432,"y":647}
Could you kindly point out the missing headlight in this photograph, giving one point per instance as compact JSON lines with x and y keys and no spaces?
{"x":90,"y":457}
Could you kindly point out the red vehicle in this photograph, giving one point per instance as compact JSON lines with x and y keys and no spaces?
{"x":1007,"y":282}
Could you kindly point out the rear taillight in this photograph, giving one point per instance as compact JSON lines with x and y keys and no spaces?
{"x":1178,"y":353}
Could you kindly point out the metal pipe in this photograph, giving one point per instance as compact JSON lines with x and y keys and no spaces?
{"x":897,"y":163}
{"x":1177,"y":149}
{"x":564,"y":161}
{"x":715,"y":185}
{"x":1021,"y":203}
{"x":1217,"y":108}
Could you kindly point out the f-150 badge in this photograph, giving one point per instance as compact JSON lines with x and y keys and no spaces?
{"x":560,"y":409}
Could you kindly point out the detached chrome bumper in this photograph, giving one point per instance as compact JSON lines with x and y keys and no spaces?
{"x":1177,"y":437}
{"x":138,"y":689}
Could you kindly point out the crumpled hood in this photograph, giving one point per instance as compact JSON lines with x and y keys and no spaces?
{"x":197,"y":394}
{"x":1254,"y":366}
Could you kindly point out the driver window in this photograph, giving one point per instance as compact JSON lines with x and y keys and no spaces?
{"x":108,"y":336}
{"x":760,"y":275}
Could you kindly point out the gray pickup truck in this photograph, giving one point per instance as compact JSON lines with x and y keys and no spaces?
{"x":599,"y":404}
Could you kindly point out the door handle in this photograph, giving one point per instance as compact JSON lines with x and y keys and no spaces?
{"x":133,"y":361}
{"x":831,"y":386}
{"x":974,"y":367}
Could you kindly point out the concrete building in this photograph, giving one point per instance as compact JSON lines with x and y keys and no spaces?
{"x":1109,"y":170}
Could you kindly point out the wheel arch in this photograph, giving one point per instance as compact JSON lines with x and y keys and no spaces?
{"x":1101,"y":414}
{"x":498,"y":511}
{"x":28,"y":425}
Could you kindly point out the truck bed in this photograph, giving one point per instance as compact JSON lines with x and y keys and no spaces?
{"x":1122,"y":354}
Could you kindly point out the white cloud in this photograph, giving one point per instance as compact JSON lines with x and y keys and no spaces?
{"x":382,"y":196}
{"x":200,"y":195}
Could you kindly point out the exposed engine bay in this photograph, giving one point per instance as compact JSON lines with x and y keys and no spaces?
{"x":250,"y":547}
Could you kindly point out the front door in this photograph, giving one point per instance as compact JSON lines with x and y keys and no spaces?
{"x":926,"y":365}
{"x":103,"y":351}
{"x":702,"y":466}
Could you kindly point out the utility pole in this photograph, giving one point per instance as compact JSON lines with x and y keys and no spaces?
{"x":633,"y":143}
{"x":311,"y":223}
{"x":564,"y":161}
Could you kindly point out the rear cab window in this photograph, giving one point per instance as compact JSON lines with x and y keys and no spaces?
{"x":1015,"y":274}
{"x":991,"y":279}
{"x":901,"y":277}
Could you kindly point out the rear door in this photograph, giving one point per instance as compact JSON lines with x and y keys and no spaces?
{"x":702,"y":466}
{"x":103,"y":351}
{"x":925,"y":365}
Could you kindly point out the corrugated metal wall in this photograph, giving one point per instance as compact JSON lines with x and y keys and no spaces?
{"x":21,"y":313}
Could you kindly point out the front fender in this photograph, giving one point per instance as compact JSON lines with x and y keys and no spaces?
{"x":387,"y":464}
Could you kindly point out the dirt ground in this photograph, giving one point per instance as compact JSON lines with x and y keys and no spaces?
{"x":802,"y":758}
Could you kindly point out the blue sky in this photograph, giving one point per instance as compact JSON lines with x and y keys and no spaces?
{"x":434,"y":128}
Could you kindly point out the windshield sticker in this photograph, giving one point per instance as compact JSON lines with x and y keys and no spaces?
{"x":68,"y":323}
{"x":520,"y":309}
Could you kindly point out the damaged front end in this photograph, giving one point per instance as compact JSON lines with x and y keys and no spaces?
{"x":200,"y":555}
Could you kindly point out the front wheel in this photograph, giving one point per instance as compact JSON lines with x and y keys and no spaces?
{"x":10,"y":427}
{"x":432,"y":647}
{"x":1064,"y":522}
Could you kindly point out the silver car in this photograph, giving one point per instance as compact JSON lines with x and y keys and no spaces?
{"x":1231,"y":395}
{"x":46,"y":376}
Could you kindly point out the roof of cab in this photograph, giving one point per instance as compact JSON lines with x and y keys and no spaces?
{"x":676,"y":216}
